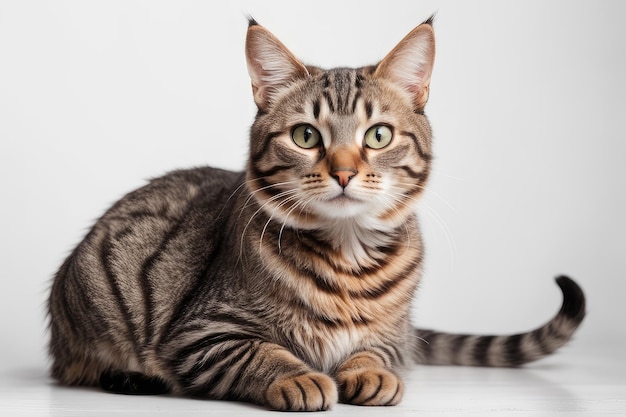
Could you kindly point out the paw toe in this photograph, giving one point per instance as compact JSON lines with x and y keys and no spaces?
{"x":308,"y":392}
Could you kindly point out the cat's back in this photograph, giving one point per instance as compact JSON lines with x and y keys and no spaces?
{"x":173,"y":204}
{"x":178,"y":191}
{"x":178,"y":215}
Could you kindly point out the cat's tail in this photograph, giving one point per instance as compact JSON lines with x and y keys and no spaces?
{"x":437,"y":348}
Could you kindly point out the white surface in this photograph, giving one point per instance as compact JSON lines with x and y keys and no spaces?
{"x":527,"y":105}
{"x":573,"y":383}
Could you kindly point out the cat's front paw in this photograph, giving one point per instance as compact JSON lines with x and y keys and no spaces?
{"x":308,"y":392}
{"x":370,"y":386}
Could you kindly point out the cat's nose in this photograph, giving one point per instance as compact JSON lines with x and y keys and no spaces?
{"x":343,"y":175}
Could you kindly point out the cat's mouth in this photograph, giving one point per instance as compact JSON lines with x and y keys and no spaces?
{"x":344,"y":199}
{"x":345,"y":203}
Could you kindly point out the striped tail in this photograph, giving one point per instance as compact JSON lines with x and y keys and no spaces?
{"x":436,"y":348}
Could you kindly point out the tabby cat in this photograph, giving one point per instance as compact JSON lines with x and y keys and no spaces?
{"x":290,"y":284}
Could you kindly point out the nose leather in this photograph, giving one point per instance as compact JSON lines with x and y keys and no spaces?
{"x":343,"y":175}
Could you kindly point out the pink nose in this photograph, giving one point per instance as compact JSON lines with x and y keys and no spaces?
{"x":343,"y":175}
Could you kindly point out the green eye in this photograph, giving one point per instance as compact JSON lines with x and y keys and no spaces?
{"x":377,"y":137}
{"x":306,"y":136}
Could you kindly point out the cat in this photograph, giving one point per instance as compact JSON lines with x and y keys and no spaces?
{"x":290,"y":284}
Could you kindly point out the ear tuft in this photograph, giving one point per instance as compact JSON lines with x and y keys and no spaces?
{"x":270,"y":64}
{"x":430,"y":20}
{"x":410,"y":64}
{"x":252,"y":21}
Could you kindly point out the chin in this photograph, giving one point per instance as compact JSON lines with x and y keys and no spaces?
{"x":342,"y":208}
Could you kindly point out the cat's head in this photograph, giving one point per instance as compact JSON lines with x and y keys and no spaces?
{"x":341,"y":143}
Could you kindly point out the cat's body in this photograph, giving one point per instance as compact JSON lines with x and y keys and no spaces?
{"x":289,"y":284}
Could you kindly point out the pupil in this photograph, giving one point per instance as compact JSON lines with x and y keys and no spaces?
{"x":379,"y":136}
{"x":307,"y":135}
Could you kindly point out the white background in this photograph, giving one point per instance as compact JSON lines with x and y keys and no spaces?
{"x":527,"y":107}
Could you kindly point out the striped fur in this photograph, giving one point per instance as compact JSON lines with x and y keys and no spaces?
{"x":289,"y":284}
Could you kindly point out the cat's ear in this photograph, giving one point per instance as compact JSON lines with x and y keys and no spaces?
{"x":270,"y":64}
{"x":410,"y":63}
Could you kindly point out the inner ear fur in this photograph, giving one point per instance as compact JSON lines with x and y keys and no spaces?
{"x":410,"y":64}
{"x":270,"y":64}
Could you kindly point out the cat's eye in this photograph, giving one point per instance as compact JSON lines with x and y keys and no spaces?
{"x":306,"y":136}
{"x":377,"y":137}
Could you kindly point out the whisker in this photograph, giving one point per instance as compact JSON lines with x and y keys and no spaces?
{"x":435,"y":216}
{"x":261,"y":207}
{"x":252,"y":193}
{"x":282,"y":228}
{"x":428,"y":190}
{"x":446,"y":231}
{"x":282,"y":203}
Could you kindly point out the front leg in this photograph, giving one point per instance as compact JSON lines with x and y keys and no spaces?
{"x":255,"y":371}
{"x":364,"y":379}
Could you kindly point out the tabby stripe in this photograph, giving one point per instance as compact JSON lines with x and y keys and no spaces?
{"x":302,"y":392}
{"x":326,"y":80}
{"x":368,"y":109}
{"x":140,"y":215}
{"x":358,"y":80}
{"x":316,"y":109}
{"x":513,"y":350}
{"x":131,"y":330}
{"x":380,"y":387}
{"x":412,"y":173}
{"x":387,"y":286}
{"x":388,"y":356}
{"x":311,"y":313}
{"x":555,"y":332}
{"x":283,"y":374}
{"x":91,"y":311}
{"x":149,"y":264}
{"x":121,"y":234}
{"x":329,"y":101}
{"x":180,"y":330}
{"x":321,"y":249}
{"x":207,"y":342}
{"x":420,"y":151}
{"x":205,"y":364}
{"x":541,"y":340}
{"x":320,"y":390}
{"x":480,"y":352}
{"x":181,"y":309}
{"x":343,"y":106}
{"x":267,"y":140}
{"x":232,"y":318}
{"x":226,"y":365}
{"x":355,"y":100}
{"x":363,"y":153}
{"x":393,"y":398}
{"x":235,"y":384}
{"x":315,"y":250}
{"x":320,"y":282}
{"x":456,"y":346}
{"x":273,"y":171}
{"x":62,"y":302}
{"x":357,"y":391}
{"x":267,"y":187}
